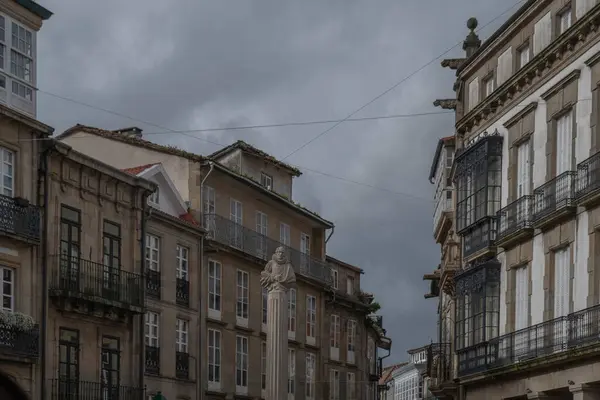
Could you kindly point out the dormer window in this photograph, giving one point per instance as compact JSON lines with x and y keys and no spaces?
{"x":266,"y":180}
{"x":154,"y":198}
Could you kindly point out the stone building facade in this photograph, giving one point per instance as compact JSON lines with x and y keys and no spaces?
{"x":526,"y":179}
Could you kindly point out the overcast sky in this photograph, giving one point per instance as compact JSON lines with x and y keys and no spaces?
{"x":192,"y":64}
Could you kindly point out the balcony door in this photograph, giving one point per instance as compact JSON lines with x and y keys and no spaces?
{"x":110,"y":368}
{"x":236,"y":218}
{"x":112,"y":261}
{"x":68,"y":364}
{"x":564,"y":156}
{"x":262,"y":223}
{"x":70,"y":239}
{"x":305,"y":250}
{"x":209,"y":210}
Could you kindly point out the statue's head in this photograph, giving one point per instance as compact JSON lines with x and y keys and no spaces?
{"x":279,"y":255}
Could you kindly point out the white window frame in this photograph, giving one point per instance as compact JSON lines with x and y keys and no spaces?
{"x":291,"y":373}
{"x":241,"y":364}
{"x":292,"y":321}
{"x":263,"y":368}
{"x":521,"y":339}
{"x":7,"y":172}
{"x":265,"y":300}
{"x":284,"y":234}
{"x":524,"y":169}
{"x":351,"y":341}
{"x":215,"y":269}
{"x":565,"y":20}
{"x":154,"y":198}
{"x":209,"y":208}
{"x":311,"y":319}
{"x":304,"y":250}
{"x":182,"y":335}
{"x":311,"y":365}
{"x":564,"y":143}
{"x":182,"y":259}
{"x":153,"y":252}
{"x":214,"y":353}
{"x":489,"y":86}
{"x":152,"y":333}
{"x":335,"y":330}
{"x":262,"y":227}
{"x":266,"y":180}
{"x":242,"y":308}
{"x":562,"y":281}
{"x":334,"y":384}
{"x":351,"y":386}
{"x":19,"y":54}
{"x":8,"y":281}
{"x":236,"y":215}
{"x":524,"y":55}
{"x":334,"y":278}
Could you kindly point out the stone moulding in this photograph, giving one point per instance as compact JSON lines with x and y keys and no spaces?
{"x":532,"y":74}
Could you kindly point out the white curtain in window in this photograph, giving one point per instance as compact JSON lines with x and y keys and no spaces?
{"x":523,"y":169}
{"x":564,"y":143}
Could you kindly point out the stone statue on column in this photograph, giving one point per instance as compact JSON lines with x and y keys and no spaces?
{"x":277,"y":278}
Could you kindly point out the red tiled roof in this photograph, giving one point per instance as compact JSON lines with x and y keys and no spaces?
{"x":388,"y":371}
{"x":188,"y":217}
{"x":139,"y":169}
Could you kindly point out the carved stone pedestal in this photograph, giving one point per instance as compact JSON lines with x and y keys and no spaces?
{"x":277,"y":344}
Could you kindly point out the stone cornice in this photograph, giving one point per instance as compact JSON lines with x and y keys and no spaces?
{"x":452,"y":63}
{"x":532,"y":75}
{"x":527,"y":109}
{"x":446,"y":104}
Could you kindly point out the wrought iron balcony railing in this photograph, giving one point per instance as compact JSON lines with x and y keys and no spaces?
{"x":70,"y":389}
{"x":182,"y":292}
{"x":551,"y":337}
{"x":480,"y":236}
{"x":554,"y":195}
{"x":152,"y":360}
{"x":153,"y":283}
{"x":20,"y":343}
{"x":439,"y":363}
{"x":79,"y":278}
{"x":588,"y":176}
{"x":514,"y":217}
{"x":20,"y":218}
{"x":182,"y":365}
{"x":227,"y":232}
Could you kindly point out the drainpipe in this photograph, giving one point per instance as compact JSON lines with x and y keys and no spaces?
{"x":380,"y":372}
{"x":212,"y":166}
{"x":330,"y":234}
{"x":141,"y":331}
{"x":44,"y":322}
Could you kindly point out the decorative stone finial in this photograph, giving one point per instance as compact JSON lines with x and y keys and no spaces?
{"x":472,"y":23}
{"x":472,"y":42}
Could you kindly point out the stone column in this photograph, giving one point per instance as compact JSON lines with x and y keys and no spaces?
{"x":277,"y":344}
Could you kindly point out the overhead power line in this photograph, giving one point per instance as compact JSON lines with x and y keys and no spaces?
{"x":406,"y":78}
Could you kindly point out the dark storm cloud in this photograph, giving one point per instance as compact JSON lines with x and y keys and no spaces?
{"x":188,"y":64}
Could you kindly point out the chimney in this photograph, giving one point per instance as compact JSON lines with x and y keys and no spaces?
{"x":472,"y":42}
{"x":133,"y":131}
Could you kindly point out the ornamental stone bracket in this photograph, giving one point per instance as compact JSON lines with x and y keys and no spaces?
{"x":452,"y":63}
{"x":446,"y":104}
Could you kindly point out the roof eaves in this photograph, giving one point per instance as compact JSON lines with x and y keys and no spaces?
{"x":344,"y":264}
{"x":35,"y":8}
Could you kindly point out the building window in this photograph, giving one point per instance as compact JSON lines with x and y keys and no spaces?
{"x":350,"y":285}
{"x":214,"y":356}
{"x":284,"y":234}
{"x":524,"y":55}
{"x":154,"y":197}
{"x":291,"y":371}
{"x":70,"y":236}
{"x":477,"y":308}
{"x":209,"y":208}
{"x":292,"y":313}
{"x":489,"y":86}
{"x":68,"y":362}
{"x":351,"y":386}
{"x":449,"y":158}
{"x":562,"y":282}
{"x":263,"y":365}
{"x":310,"y":376}
{"x":351,"y":341}
{"x":304,"y":250}
{"x":262,"y":223}
{"x":111,"y":360}
{"x":564,"y":144}
{"x":266,"y":180}
{"x":7,"y":172}
{"x":524,"y":169}
{"x":236,"y":231}
{"x":334,"y":278}
{"x":181,"y":335}
{"x":153,"y":253}
{"x":334,"y":331}
{"x":407,"y":387}
{"x":2,"y":40}
{"x":182,"y":262}
{"x":214,"y":289}
{"x":334,"y":384}
{"x":565,"y":20}
{"x":265,"y":299}
{"x":241,"y":364}
{"x":311,"y":317}
{"x":112,"y":256}
{"x":243,"y":279}
{"x":371,"y":356}
{"x":7,"y":289}
{"x":152,"y":329}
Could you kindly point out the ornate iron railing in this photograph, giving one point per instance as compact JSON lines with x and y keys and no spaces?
{"x":225,"y":231}
{"x":580,"y":328}
{"x":153,"y":283}
{"x":439,"y":363}
{"x":152,"y":360}
{"x":74,"y":276}
{"x":480,"y":236}
{"x":20,"y":218}
{"x":18,"y":342}
{"x":554,"y":195}
{"x":182,"y":365}
{"x":588,"y":176}
{"x":515,"y":216}
{"x":182,"y":292}
{"x":64,"y":389}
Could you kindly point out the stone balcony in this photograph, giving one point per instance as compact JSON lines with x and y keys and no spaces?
{"x":587,"y":192}
{"x":515,"y":222}
{"x":20,"y":219}
{"x":248,"y":241}
{"x":554,"y":200}
{"x":74,"y":389}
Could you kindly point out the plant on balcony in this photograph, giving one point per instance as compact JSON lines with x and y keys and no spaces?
{"x":16,"y":320}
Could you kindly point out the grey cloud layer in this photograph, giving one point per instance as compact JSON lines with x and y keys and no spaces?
{"x":192,"y":64}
